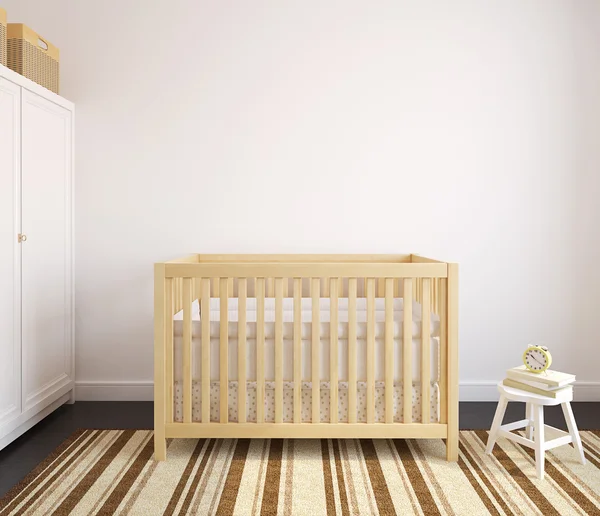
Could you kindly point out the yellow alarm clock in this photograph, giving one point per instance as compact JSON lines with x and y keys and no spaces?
{"x":537,"y":358}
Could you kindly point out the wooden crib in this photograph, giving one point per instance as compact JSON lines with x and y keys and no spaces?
{"x":382,"y":279}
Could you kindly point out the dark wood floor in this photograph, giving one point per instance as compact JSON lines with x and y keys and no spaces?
{"x":21,"y":456}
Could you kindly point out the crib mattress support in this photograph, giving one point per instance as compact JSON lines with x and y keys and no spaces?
{"x":308,"y":430}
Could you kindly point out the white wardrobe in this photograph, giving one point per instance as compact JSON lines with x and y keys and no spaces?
{"x":36,"y":254}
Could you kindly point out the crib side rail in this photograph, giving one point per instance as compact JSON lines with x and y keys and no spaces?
{"x":306,"y":270}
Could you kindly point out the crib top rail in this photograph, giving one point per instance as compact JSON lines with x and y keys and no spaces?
{"x":287,"y":258}
{"x":304,"y":266}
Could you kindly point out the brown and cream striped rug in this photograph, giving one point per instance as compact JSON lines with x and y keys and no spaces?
{"x":112,"y":472}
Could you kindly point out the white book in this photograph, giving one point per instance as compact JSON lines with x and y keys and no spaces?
{"x":538,"y":385}
{"x":551,"y":393}
{"x":549,"y":379}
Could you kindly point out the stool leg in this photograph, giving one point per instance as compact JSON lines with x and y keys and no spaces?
{"x":539,"y":444}
{"x":529,"y":416}
{"x":572,"y":426}
{"x":500,"y":409}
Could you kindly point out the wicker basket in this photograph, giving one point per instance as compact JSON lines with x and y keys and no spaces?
{"x":32,"y":56}
{"x":3,"y":53}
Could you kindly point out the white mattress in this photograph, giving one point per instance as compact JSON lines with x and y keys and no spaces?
{"x":288,"y":318}
{"x":306,"y":346}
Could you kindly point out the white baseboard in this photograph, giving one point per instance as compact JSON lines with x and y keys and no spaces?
{"x":587,"y":391}
{"x":478,"y":391}
{"x":488,"y":391}
{"x":114,"y":391}
{"x":144,"y":391}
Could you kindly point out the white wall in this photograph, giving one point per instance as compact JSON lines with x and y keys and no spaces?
{"x":464,"y":130}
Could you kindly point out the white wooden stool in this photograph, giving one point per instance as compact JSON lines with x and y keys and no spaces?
{"x":534,"y":421}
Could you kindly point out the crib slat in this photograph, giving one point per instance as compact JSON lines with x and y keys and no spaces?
{"x":187,"y":349}
{"x":278,"y":350}
{"x":196,"y":294}
{"x":297,"y":350}
{"x":286,"y":286}
{"x":389,"y":350}
{"x":425,"y":350}
{"x":224,"y":351}
{"x":205,"y":316}
{"x":352,"y":287}
{"x":380,"y":288}
{"x":176,"y":295}
{"x":169,"y":347}
{"x":333,"y":351}
{"x":215,"y":287}
{"x":443,"y":313}
{"x":315,"y":350}
{"x":370,"y":350}
{"x":242,"y":289}
{"x":407,"y":351}
{"x":260,"y":350}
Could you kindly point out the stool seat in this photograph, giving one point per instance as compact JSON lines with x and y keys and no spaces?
{"x":534,"y":424}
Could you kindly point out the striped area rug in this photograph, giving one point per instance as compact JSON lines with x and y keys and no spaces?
{"x":112,"y":472}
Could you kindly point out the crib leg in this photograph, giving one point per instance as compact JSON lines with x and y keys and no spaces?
{"x":160,"y":446}
{"x":160,"y":358}
{"x":452,"y":426}
{"x":452,"y":438}
{"x":452,"y":445}
{"x":452,"y":363}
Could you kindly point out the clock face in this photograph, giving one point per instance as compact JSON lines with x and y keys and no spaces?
{"x":536,"y":360}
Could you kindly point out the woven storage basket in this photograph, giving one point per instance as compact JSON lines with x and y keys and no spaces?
{"x":32,"y":56}
{"x":2,"y":37}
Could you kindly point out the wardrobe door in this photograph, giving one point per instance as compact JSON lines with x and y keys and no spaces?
{"x":46,"y":255}
{"x":10,"y":323}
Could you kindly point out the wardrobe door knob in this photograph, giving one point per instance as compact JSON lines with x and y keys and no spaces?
{"x":22,"y":238}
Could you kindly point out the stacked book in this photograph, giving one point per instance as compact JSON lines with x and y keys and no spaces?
{"x":549,"y":383}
